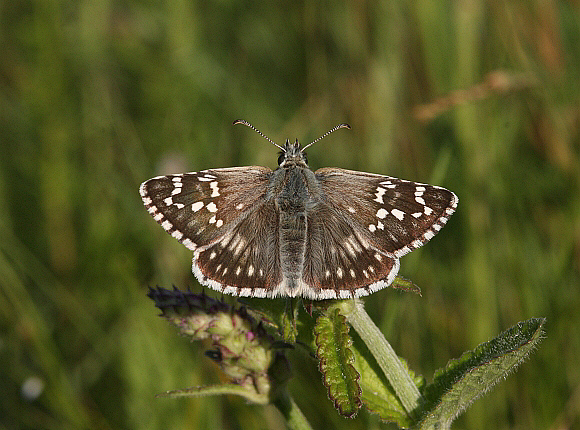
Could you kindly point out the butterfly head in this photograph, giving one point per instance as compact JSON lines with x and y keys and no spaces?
{"x":292,"y":155}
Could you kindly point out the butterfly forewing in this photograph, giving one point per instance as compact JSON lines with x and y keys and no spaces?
{"x":363,"y":224}
{"x":200,"y":207}
{"x":395,"y":215}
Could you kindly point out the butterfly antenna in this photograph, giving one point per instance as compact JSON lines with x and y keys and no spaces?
{"x":246,"y":123}
{"x":327,"y":133}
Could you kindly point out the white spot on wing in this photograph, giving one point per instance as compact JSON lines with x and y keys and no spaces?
{"x":196,"y":206}
{"x":379,"y":195}
{"x":354,"y":243}
{"x":382,"y":213}
{"x":349,"y":248}
{"x":240,"y":245}
{"x":230,"y":290}
{"x":215,"y":189}
{"x":359,"y":292}
{"x":260,"y":292}
{"x":416,"y":243}
{"x":404,"y":250}
{"x":189,"y":244}
{"x":399,"y":214}
{"x":211,"y":207}
{"x":344,"y":294}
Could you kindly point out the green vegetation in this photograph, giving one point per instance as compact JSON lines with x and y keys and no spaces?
{"x":482,"y":98}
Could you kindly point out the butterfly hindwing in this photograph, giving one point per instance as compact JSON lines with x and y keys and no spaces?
{"x":340,"y":259}
{"x":245,"y":261}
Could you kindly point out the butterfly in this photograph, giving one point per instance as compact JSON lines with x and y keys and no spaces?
{"x":291,"y":232}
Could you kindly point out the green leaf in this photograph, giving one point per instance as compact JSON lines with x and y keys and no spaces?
{"x":289,"y":330}
{"x":280,"y":314}
{"x":270,"y":312}
{"x":392,"y":367}
{"x":464,"y":380}
{"x":336,"y":362}
{"x":401,"y":283}
{"x":377,"y":393}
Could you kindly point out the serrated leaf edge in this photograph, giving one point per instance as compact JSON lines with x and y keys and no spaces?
{"x":344,"y":344}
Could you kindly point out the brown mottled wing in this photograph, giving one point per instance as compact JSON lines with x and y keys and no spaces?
{"x":223,"y":215}
{"x":364,"y":224}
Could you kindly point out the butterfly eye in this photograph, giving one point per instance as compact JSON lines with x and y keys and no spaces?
{"x":304,"y":157}
{"x":281,"y":158}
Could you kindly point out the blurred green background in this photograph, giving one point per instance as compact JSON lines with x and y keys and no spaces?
{"x":97,"y":96}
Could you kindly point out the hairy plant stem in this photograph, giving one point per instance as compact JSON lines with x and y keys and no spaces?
{"x":398,"y":377}
{"x":295,"y":420}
